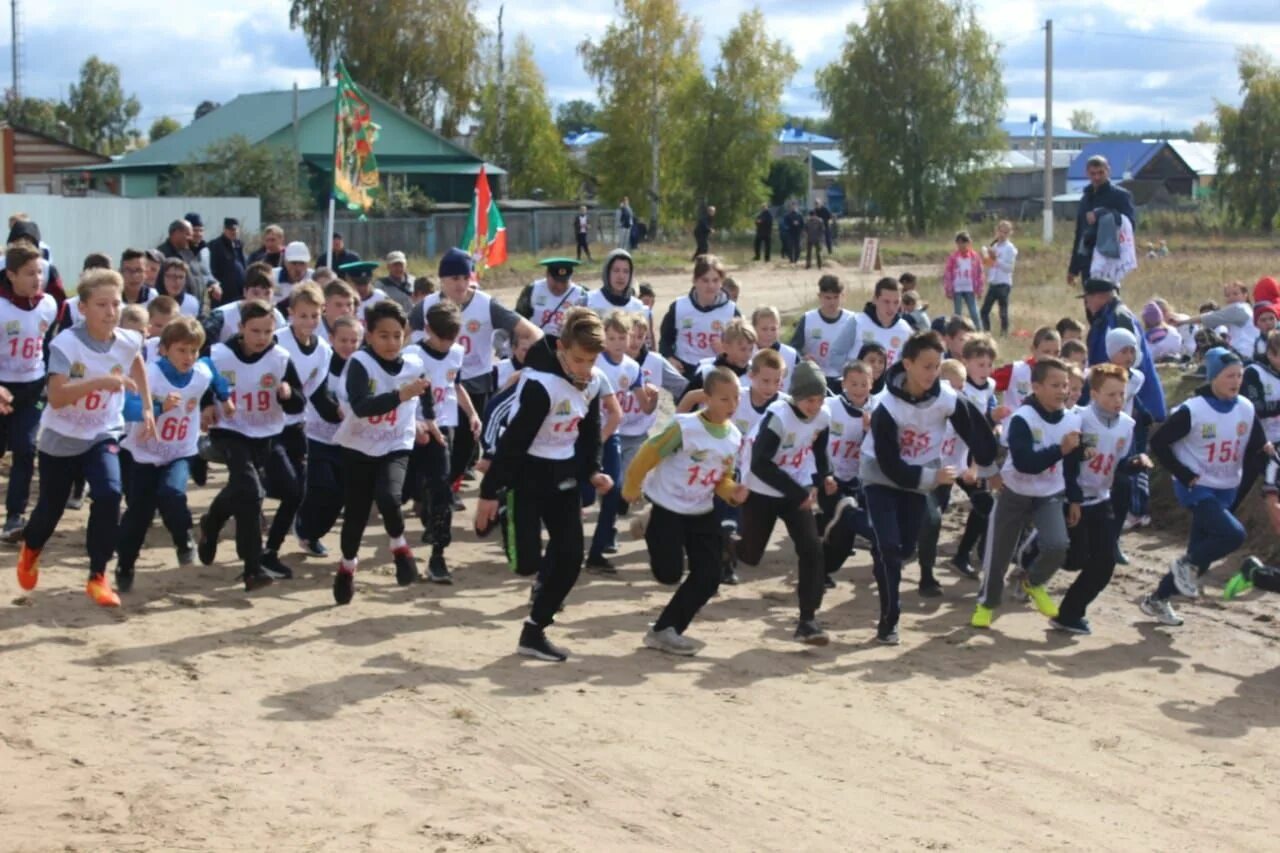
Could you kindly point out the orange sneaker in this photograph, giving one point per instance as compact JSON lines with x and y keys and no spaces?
{"x":101,"y":592}
{"x":28,"y":568}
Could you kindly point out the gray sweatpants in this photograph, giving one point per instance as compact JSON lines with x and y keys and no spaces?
{"x":1011,"y":514}
{"x":629,"y":445}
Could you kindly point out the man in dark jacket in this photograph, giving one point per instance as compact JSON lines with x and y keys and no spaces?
{"x":1100,"y":193}
{"x":764,"y":232}
{"x":397,"y":284}
{"x":338,"y":256}
{"x":271,"y":252}
{"x":227,"y":262}
{"x":794,"y":224}
{"x":702,"y":232}
{"x":825,"y":215}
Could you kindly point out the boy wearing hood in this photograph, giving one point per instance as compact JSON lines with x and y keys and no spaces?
{"x":617,"y":292}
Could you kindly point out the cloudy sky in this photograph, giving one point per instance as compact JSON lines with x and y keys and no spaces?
{"x":1136,"y":64}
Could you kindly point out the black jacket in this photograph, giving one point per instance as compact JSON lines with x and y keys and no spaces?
{"x":227,"y":264}
{"x":1108,"y":195}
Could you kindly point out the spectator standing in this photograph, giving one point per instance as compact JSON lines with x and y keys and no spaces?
{"x":1100,"y":194}
{"x":582,"y":232}
{"x":198,"y":244}
{"x":826,"y":216}
{"x":397,"y":284}
{"x":813,"y":234}
{"x":227,"y":263}
{"x":1000,"y":257}
{"x":764,"y":232}
{"x":625,"y":219}
{"x":338,"y":256}
{"x":962,"y":278}
{"x":702,"y":232}
{"x":271,"y":252}
{"x":179,"y":246}
{"x":794,"y":222}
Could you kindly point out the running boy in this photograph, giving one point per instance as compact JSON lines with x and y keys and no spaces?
{"x":622,"y":374}
{"x":818,"y":330}
{"x":550,"y":444}
{"x":262,"y":379}
{"x":181,"y":382}
{"x":681,"y":470}
{"x":844,"y":514}
{"x":1203,"y":445}
{"x":979,"y":356}
{"x":790,"y":442}
{"x":901,"y":462}
{"x":766,"y":320}
{"x":91,"y":366}
{"x":691,"y":329}
{"x":1040,"y":474}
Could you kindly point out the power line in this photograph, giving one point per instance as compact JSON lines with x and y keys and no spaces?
{"x":1142,"y":37}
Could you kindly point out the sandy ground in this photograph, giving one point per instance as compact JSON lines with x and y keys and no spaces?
{"x":200,"y":718}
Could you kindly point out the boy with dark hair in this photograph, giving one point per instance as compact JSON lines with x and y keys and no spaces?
{"x":817,"y":330}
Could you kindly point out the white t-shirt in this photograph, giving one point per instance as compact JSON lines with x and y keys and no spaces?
{"x":231,"y":321}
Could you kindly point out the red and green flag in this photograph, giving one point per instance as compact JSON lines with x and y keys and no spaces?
{"x":485,"y":238}
{"x":355,"y":169}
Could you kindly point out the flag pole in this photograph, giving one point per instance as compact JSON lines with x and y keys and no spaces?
{"x":328,"y":240}
{"x":333,"y":160}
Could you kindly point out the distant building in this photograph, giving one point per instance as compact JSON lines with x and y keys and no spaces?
{"x":1026,"y":135}
{"x":798,"y":142}
{"x":1151,"y":170}
{"x":415,"y":155}
{"x":29,"y":163}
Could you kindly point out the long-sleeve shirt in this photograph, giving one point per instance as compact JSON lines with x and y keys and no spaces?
{"x":1006,"y":256}
{"x":765,"y":450}
{"x":659,"y":447}
{"x":367,"y":405}
{"x":1178,"y":427}
{"x":1028,"y":460}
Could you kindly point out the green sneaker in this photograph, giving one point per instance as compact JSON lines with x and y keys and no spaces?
{"x":1040,"y":598}
{"x":1238,"y":585}
{"x":982,"y":616}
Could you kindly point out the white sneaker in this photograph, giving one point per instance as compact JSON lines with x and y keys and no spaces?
{"x":1131,"y":521}
{"x":1185,"y":577}
{"x":639,"y":524}
{"x":669,"y":640}
{"x":1160,"y":610}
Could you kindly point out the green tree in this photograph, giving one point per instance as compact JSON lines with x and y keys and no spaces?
{"x":726,"y":147}
{"x":1249,"y":155}
{"x":1204,"y":132}
{"x":1084,"y":121}
{"x":35,"y":114}
{"x":162,"y":127}
{"x":97,"y":110}
{"x":646,"y":58}
{"x":421,"y":55}
{"x":916,"y":95}
{"x":787,"y":179}
{"x":235,"y":167}
{"x":516,"y":130}
{"x":576,"y":116}
{"x":205,"y":107}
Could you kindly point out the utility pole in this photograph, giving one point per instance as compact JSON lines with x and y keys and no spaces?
{"x":16,"y":48}
{"x":1047,"y":235}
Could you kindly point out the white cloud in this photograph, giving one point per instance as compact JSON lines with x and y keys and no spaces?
{"x":176,"y":55}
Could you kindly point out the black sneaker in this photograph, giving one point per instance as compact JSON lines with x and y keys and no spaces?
{"x":186,"y":551}
{"x":888,"y":638}
{"x":811,"y":634}
{"x":124,"y":579}
{"x":729,"y":576}
{"x":829,"y":582}
{"x":256,"y":579}
{"x":275,"y":569}
{"x":1077,"y":626}
{"x":962,"y":567}
{"x":14,"y":527}
{"x":437,"y":571}
{"x":930,"y":589}
{"x":598,"y":564}
{"x":344,"y":586}
{"x":534,"y":644}
{"x":611,"y":548}
{"x":313,"y":548}
{"x":406,"y":566}
{"x":207,"y":546}
{"x":624,"y":509}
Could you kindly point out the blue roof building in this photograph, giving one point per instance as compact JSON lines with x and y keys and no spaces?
{"x":1145,"y":168}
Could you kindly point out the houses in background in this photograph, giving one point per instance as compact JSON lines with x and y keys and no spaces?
{"x":32,"y":163}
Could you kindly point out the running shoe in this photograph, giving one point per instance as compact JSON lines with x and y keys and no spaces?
{"x":1131,"y":521}
{"x":256,"y":579}
{"x":406,"y":566}
{"x":810,"y":633}
{"x":1161,"y":610}
{"x":313,"y":547}
{"x":534,"y":644}
{"x":124,"y":579}
{"x":14,"y":526}
{"x":930,"y":588}
{"x":275,"y":569}
{"x":1078,"y":626}
{"x":982,"y":617}
{"x":344,"y":585}
{"x":438,"y":571}
{"x":888,"y":638}
{"x":828,"y":582}
{"x":1242,"y":581}
{"x":1185,"y":577}
{"x":729,"y":576}
{"x":670,"y":641}
{"x":1040,"y":598}
{"x":962,"y":567}
{"x":207,"y":545}
{"x":598,"y":564}
{"x":100,"y":591}
{"x":28,"y":568}
{"x":187,"y":551}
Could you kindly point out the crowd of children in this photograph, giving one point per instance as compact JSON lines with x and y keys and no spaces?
{"x":327,"y":398}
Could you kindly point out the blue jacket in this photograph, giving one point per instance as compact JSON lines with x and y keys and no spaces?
{"x":1116,"y":315}
{"x":1108,"y":195}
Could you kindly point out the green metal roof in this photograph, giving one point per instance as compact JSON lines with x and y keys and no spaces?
{"x":267,"y":117}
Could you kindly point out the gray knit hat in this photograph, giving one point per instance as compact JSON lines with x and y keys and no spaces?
{"x":808,"y":381}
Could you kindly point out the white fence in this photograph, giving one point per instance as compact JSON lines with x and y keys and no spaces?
{"x":74,"y":227}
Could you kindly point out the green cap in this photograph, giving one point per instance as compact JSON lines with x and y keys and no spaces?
{"x":359,"y":269}
{"x":559,"y":267}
